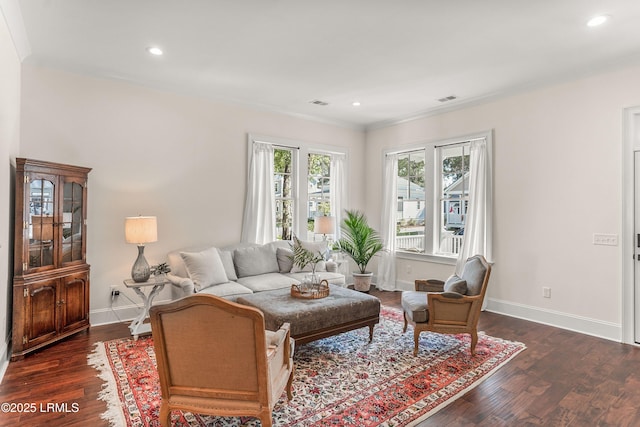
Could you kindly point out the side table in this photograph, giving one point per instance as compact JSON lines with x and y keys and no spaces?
{"x":137,"y":326}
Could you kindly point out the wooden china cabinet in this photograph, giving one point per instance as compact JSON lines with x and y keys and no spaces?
{"x":50,"y":273}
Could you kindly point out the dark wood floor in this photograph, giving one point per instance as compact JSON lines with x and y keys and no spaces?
{"x":562,"y":379}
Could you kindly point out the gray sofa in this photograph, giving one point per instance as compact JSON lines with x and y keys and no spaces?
{"x":233,"y":271}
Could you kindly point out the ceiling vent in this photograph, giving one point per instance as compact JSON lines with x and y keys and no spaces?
{"x":318,"y":102}
{"x":448,"y":98}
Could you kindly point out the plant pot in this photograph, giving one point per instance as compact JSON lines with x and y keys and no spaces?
{"x":362,"y":281}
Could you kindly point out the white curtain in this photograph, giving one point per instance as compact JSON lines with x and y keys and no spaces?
{"x":337,"y":189}
{"x":258,"y":223}
{"x":387,"y":266}
{"x":477,"y":231}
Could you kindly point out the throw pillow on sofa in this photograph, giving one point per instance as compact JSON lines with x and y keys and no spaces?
{"x":285,"y":259}
{"x":254,"y":260}
{"x":227,"y":261}
{"x":205,"y":268}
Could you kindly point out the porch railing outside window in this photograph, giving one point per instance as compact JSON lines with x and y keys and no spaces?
{"x":449,"y":245}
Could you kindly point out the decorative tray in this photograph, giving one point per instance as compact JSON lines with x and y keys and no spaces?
{"x":317,"y":291}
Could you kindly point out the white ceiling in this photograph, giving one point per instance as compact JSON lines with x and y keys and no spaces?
{"x":397,"y":57}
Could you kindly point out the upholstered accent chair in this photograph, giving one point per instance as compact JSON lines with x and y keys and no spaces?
{"x":456,"y":310}
{"x":215,"y":357}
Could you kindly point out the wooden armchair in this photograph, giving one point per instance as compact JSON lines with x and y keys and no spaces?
{"x":450,"y":311}
{"x":215,"y":357}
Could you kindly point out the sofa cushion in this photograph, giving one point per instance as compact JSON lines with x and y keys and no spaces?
{"x":415,"y":306}
{"x":285,"y":259}
{"x":227,"y":261}
{"x":332,"y":278}
{"x":205,"y":268}
{"x":315,"y":248}
{"x":255,"y":260}
{"x":455,"y":284}
{"x":228,"y":290}
{"x":267,"y":282}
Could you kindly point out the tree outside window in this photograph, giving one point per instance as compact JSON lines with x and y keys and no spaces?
{"x":283,"y":179}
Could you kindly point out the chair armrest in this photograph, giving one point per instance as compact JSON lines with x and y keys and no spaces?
{"x":451,"y":308}
{"x":183,"y":283}
{"x":454,"y":295}
{"x":430,"y":285}
{"x":279,"y":347}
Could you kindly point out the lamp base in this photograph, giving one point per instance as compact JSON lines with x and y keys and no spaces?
{"x":140,"y":272}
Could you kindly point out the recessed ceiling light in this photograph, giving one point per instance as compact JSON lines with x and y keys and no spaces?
{"x":597,"y":20}
{"x":356,"y":103}
{"x":155,"y":51}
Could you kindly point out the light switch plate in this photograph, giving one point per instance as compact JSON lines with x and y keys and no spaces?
{"x":605,"y":239}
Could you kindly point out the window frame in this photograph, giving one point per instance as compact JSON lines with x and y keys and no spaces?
{"x":294,"y":184}
{"x":300,"y":173}
{"x":433,"y":180}
{"x":323,"y":199}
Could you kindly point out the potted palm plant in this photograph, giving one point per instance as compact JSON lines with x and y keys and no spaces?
{"x":359,"y":242}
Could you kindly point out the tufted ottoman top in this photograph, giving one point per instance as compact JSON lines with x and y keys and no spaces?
{"x":342,"y":310}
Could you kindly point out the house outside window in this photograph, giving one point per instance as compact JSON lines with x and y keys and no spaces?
{"x":453,"y":177}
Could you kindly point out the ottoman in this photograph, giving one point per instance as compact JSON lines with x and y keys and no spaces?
{"x":311,"y":319}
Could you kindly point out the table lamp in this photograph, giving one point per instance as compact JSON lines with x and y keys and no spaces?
{"x":324,"y":225}
{"x":141,"y":230}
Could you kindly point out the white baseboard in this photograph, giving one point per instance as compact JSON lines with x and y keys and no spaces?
{"x":583,"y":325}
{"x":5,"y":356}
{"x":125,"y":313}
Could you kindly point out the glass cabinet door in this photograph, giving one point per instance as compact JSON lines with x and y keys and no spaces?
{"x":72,"y":221}
{"x":41,"y":226}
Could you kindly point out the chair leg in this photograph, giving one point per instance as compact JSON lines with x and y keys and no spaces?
{"x":165,"y":415}
{"x":289,"y":383}
{"x":266,"y":420}
{"x":405,"y":322}
{"x":474,"y":341}
{"x":416,"y":337}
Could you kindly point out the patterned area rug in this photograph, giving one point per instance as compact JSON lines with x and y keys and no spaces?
{"x":342,"y":380}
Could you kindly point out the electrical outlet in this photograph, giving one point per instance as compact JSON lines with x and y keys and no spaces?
{"x":408,"y":268}
{"x":114,"y":291}
{"x":546,"y":292}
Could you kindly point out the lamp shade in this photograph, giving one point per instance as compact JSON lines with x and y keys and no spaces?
{"x":141,"y":229}
{"x":324,"y":225}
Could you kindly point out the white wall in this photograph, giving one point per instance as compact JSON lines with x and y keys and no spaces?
{"x":9,"y":144}
{"x":182,"y":159}
{"x":557,"y":181}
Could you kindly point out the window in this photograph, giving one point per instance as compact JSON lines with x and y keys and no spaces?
{"x":453,"y":174}
{"x":432,"y":186}
{"x":410,"y":218}
{"x":283,"y":177}
{"x":318,"y":189}
{"x":283,"y":180}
